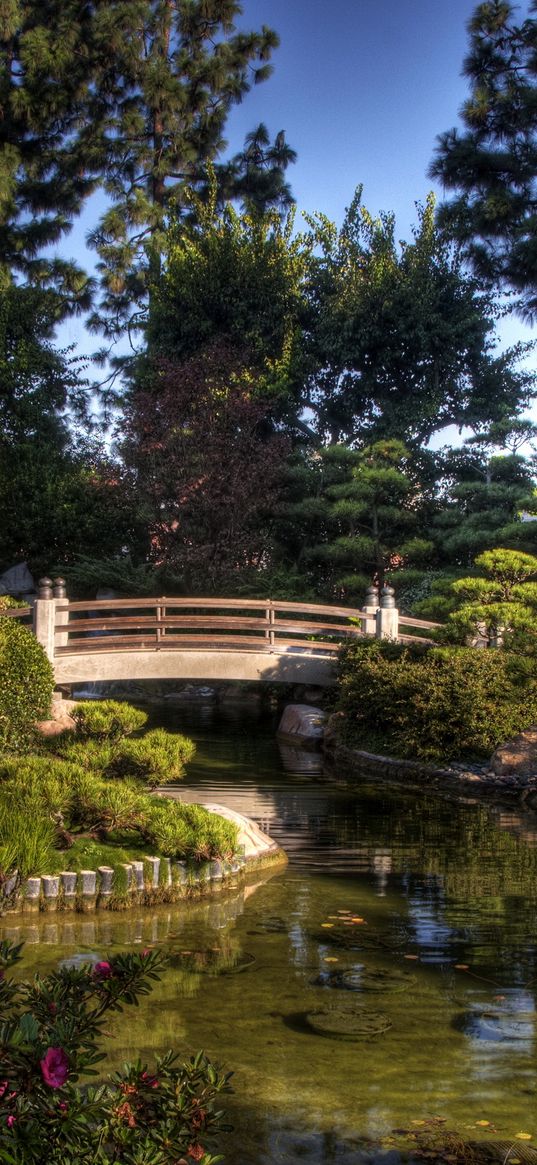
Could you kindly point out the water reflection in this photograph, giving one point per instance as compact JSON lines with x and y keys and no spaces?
{"x":383,"y":884}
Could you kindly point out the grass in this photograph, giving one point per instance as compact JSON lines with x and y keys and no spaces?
{"x":88,"y":854}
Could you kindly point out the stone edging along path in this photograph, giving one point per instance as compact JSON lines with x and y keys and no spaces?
{"x":146,"y":882}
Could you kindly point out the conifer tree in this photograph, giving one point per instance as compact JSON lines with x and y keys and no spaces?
{"x":129,"y":94}
{"x":491,"y":165}
{"x":183,"y":66}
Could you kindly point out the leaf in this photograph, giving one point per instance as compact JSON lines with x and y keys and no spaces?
{"x":523,"y":1136}
{"x":482,"y":1124}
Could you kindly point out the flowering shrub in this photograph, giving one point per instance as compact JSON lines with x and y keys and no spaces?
{"x":50,"y":1031}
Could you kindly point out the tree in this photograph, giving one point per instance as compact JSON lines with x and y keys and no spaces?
{"x":181,"y":66}
{"x":484,"y":499}
{"x":132,"y":95}
{"x":236,"y":279}
{"x":256,"y":175}
{"x":492,"y":164}
{"x":351,"y":516}
{"x":59,"y":495}
{"x":206,"y":469}
{"x":499,"y":605}
{"x":402,"y":339}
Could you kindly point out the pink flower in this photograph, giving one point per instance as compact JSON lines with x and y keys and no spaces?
{"x":10,"y":1121}
{"x":102,"y":970}
{"x":3,"y":1086}
{"x":149,"y":1081}
{"x":55,"y":1067}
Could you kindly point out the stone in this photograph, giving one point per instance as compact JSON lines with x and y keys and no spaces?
{"x":251,"y":840}
{"x":517,"y":757}
{"x":17,"y":581}
{"x":303,"y":723}
{"x":51,"y":728}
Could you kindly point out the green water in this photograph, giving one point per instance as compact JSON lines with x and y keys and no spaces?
{"x":440,"y":885}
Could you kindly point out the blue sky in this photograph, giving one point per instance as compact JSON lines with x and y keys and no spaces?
{"x":361,"y":90}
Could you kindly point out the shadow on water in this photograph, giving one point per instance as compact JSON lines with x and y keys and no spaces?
{"x":385,"y":889}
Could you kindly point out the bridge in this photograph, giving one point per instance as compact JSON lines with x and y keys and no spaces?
{"x":205,"y":638}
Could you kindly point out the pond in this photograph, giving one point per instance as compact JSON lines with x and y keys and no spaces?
{"x":404,"y":922}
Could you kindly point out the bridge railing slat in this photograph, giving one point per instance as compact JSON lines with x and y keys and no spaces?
{"x":164,"y":623}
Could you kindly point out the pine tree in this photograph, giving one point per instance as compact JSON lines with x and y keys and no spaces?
{"x":52,"y":100}
{"x":183,"y":66}
{"x":129,"y":94}
{"x":492,"y":164}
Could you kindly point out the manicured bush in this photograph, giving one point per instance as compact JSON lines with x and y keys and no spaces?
{"x":107,"y":719}
{"x":155,"y":758}
{"x":39,"y":784}
{"x":436,"y":703}
{"x":51,"y":1031}
{"x":177,"y":830}
{"x":26,"y":684}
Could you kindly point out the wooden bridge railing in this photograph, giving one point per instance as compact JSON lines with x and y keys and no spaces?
{"x":213,"y":624}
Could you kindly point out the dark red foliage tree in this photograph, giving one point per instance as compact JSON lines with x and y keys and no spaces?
{"x":208,"y":462}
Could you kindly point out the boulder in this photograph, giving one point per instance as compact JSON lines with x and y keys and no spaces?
{"x":17,"y":581}
{"x":517,"y":757}
{"x":302,"y":722}
{"x":254,"y":843}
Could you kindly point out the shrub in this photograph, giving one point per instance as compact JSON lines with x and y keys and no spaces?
{"x":96,"y":755}
{"x":26,"y":684}
{"x":107,"y":719}
{"x":40,"y":784}
{"x":431,"y":703}
{"x":168,"y":832}
{"x":156,"y":757}
{"x":119,"y":805}
{"x":50,"y":1034}
{"x":178,"y":831}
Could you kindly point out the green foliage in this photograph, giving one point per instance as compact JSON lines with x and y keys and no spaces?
{"x":177,"y":830}
{"x":107,"y":719}
{"x":156,"y":758}
{"x":26,"y":839}
{"x":26,"y":684}
{"x":238,"y":279}
{"x":51,"y":1032}
{"x":490,"y":165}
{"x":433,"y":704}
{"x":402,"y":337}
{"x":80,"y":784}
{"x":483,"y":498}
{"x":499,"y":605}
{"x":8,"y":603}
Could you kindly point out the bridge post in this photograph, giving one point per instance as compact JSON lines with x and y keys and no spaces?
{"x":45,"y":616}
{"x":387,"y":615}
{"x":59,"y":594}
{"x":369,"y":625}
